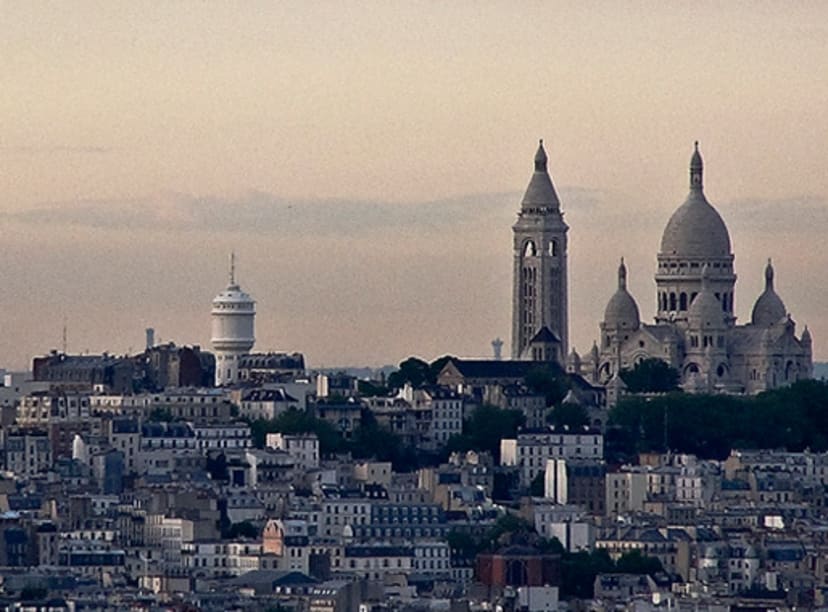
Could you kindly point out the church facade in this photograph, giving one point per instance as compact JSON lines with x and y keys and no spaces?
{"x":695,"y":329}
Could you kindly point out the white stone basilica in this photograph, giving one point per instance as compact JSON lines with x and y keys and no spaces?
{"x":695,"y":328}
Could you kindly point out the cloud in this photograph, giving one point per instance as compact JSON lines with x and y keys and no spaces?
{"x":799,"y":214}
{"x":265,"y":213}
{"x":59,"y":149}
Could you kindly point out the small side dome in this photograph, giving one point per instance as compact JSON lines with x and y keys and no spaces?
{"x":769,"y":308}
{"x":706,"y":310}
{"x":622,"y":311}
{"x":574,"y":360}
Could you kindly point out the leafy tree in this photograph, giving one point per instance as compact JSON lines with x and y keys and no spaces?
{"x":636,"y":562}
{"x":245,"y":529}
{"x":33,"y":593}
{"x":296,"y":421}
{"x":368,"y":388}
{"x":538,"y":485}
{"x":161,"y":415}
{"x":578,"y":572}
{"x":413,"y":370}
{"x":794,"y":418}
{"x":217,"y":467}
{"x":568,"y":415}
{"x":550,"y":380}
{"x":485,"y":428}
{"x":651,"y":376}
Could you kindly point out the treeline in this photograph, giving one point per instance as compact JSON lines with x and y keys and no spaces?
{"x":794,"y":418}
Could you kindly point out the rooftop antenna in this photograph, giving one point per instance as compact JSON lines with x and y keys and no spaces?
{"x":65,"y":343}
{"x":232,"y":268}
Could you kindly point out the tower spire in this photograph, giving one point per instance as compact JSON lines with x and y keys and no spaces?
{"x":769,"y":276}
{"x":696,"y":168}
{"x":622,"y":275}
{"x":540,"y":158}
{"x":232,"y":268}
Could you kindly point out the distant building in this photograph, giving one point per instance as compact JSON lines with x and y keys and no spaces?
{"x":85,"y":372}
{"x":233,"y":315}
{"x":539,"y":299}
{"x":695,"y":328}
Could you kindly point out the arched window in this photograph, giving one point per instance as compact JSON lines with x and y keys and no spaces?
{"x":529,"y":249}
{"x":683,"y":301}
{"x":672,"y":301}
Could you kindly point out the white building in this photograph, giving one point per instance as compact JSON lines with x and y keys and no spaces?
{"x":233,"y":315}
{"x":531,"y":450}
{"x":304,"y":448}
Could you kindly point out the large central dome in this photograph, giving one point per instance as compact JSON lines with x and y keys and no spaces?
{"x":696,"y":229}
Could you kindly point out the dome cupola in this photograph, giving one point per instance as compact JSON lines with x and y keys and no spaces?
{"x":706,"y":311}
{"x":769,"y":307}
{"x":695,"y":229}
{"x":622,"y":311}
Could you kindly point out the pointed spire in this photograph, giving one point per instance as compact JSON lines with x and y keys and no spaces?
{"x":622,"y":276}
{"x":705,"y":277}
{"x":769,"y":276}
{"x":806,"y":336}
{"x":232,"y":268}
{"x":540,"y":158}
{"x":696,"y":168}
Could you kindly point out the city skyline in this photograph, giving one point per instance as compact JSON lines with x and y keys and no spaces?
{"x":368,"y":197}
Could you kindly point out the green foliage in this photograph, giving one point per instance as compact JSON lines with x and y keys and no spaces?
{"x":636,"y":562}
{"x":33,"y":593}
{"x":484,"y":430}
{"x":579,"y":569}
{"x":538,"y":484}
{"x":552,"y":382}
{"x":651,"y":376}
{"x":217,"y":467}
{"x":161,"y":415}
{"x":368,"y":388}
{"x":299,"y":421}
{"x":417,"y":372}
{"x":568,"y":415}
{"x":245,"y":529}
{"x":370,"y":440}
{"x":413,"y":370}
{"x":794,"y":418}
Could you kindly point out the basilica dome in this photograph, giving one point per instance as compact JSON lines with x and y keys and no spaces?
{"x":622,"y":311}
{"x":696,"y":229}
{"x":769,"y":307}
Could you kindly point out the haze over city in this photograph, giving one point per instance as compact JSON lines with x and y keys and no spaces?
{"x":366,"y":161}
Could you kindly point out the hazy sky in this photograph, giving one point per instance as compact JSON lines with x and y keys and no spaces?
{"x":366,"y":161}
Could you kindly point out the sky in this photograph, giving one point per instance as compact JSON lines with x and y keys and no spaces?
{"x":366,"y":160}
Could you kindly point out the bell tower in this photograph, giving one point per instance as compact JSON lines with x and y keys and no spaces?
{"x":539,"y":298}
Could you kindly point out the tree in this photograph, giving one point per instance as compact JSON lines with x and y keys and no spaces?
{"x":568,"y":415}
{"x":413,"y":371}
{"x":245,"y":529}
{"x":295,"y":421}
{"x":484,"y":430}
{"x":635,"y":562}
{"x":651,"y":376}
{"x":550,"y":380}
{"x":538,"y":485}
